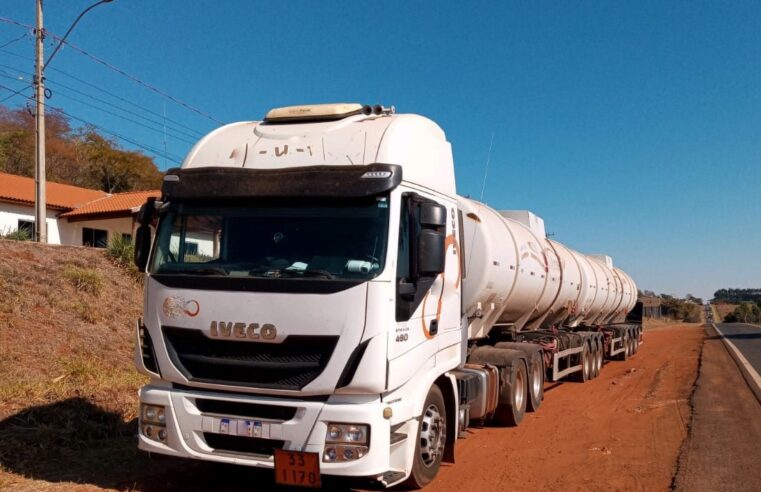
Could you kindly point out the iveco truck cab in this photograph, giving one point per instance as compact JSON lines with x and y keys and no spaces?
{"x":303,"y":296}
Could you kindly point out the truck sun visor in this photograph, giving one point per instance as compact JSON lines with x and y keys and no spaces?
{"x":311,"y":181}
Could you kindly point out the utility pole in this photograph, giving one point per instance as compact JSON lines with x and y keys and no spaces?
{"x":40,"y":205}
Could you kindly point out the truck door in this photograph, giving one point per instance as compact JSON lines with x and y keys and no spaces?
{"x":427,"y":302}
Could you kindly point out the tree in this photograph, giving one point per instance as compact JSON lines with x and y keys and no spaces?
{"x":79,"y":157}
{"x":114,"y":170}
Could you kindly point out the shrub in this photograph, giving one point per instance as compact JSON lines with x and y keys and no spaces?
{"x":121,"y":250}
{"x":17,"y":234}
{"x":84,"y":279}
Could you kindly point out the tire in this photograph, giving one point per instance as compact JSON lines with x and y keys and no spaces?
{"x":595,"y":359}
{"x":600,"y":356}
{"x":535,"y":382}
{"x":431,"y":442}
{"x":512,"y":395}
{"x":635,"y":342}
{"x":585,"y":374}
{"x":625,"y":354}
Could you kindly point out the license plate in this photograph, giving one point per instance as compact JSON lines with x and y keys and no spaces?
{"x":296,"y":468}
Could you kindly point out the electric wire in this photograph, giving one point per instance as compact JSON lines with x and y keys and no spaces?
{"x":12,"y":41}
{"x":118,"y":70}
{"x":85,"y":103}
{"x":195,"y":133}
{"x":173,"y":158}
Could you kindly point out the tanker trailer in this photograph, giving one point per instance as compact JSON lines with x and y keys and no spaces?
{"x":527,"y":293}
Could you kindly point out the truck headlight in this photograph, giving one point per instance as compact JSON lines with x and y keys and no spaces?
{"x":153,"y":422}
{"x":347,"y":433}
{"x":154,"y":414}
{"x":346,"y":442}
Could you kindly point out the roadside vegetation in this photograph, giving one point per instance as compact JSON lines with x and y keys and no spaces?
{"x":68,"y":386}
{"x":738,"y":305}
{"x":688,"y":310}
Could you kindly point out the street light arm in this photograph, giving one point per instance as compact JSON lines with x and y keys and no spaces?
{"x":63,"y":39}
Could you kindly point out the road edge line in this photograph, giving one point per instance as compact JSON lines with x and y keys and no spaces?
{"x":751,"y":376}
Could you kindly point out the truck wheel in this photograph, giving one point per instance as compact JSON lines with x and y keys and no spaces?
{"x":584,"y":374}
{"x":512,"y":396}
{"x":432,"y":438}
{"x":635,"y":342}
{"x":535,"y":382}
{"x":595,"y":358}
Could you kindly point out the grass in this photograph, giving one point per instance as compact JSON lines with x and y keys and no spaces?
{"x":84,"y":279}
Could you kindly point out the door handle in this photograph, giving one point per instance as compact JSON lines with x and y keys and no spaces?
{"x":433,"y":327}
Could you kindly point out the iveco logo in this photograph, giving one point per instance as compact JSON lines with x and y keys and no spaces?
{"x":251,"y":331}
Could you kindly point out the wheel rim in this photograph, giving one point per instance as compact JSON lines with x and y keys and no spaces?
{"x":519,"y":389}
{"x":433,"y":430}
{"x":536,"y":380}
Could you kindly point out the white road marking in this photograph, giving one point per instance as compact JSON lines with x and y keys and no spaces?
{"x":753,"y":374}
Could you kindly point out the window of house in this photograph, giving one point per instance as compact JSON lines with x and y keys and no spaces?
{"x":127,"y":237}
{"x":26,"y":227}
{"x":96,"y":238}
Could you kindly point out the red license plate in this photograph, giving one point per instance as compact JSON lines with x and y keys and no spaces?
{"x":296,"y":468}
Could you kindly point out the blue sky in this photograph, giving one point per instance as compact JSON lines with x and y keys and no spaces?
{"x":633,"y":129}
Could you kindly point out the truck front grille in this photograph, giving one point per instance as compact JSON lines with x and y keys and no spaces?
{"x":292,"y":364}
{"x":240,"y":444}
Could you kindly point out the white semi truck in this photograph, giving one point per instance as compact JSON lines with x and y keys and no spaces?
{"x":319,"y":300}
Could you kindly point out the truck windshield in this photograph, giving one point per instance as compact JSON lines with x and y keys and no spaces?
{"x":274,"y":239}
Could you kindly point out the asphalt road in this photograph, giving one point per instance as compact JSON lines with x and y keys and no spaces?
{"x":747,"y":339}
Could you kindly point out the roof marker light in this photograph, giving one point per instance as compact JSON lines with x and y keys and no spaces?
{"x":376,"y":175}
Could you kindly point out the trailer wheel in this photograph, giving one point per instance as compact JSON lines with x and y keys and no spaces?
{"x":635,"y":342}
{"x":600,"y":355}
{"x":432,"y":438}
{"x":595,"y":358}
{"x":585,"y":374}
{"x":535,"y":382}
{"x":512,"y":395}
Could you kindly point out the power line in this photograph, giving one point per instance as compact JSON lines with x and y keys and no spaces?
{"x":14,"y":40}
{"x":153,"y":150}
{"x":159,"y":130}
{"x":143,"y":146}
{"x":118,"y":70}
{"x":13,"y":93}
{"x":195,"y":133}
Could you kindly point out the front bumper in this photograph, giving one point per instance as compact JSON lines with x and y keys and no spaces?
{"x":189,"y":429}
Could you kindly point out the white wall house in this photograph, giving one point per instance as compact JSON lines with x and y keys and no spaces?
{"x":75,"y":216}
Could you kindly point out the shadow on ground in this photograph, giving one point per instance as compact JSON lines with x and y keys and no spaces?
{"x":76,"y":441}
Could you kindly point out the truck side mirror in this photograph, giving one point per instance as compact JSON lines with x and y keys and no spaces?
{"x":143,"y":233}
{"x":433,"y":215}
{"x":142,"y":246}
{"x":431,"y":250}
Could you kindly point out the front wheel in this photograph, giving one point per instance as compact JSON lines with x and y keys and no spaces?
{"x":432,"y":439}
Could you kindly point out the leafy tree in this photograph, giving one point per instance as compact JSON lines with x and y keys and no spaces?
{"x":79,"y":157}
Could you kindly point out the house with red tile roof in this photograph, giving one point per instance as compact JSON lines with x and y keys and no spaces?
{"x":75,"y":216}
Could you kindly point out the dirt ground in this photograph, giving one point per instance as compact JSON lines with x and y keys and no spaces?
{"x":621,"y":431}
